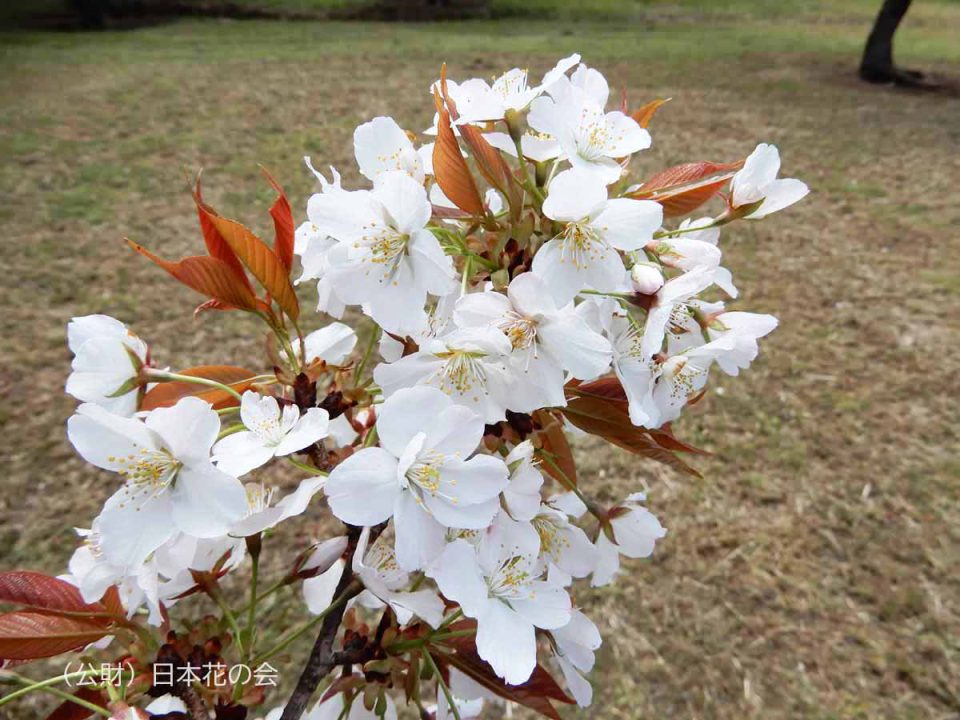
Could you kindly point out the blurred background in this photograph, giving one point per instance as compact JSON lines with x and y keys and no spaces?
{"x":812,"y":572}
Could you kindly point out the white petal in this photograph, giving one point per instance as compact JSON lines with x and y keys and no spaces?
{"x":132,"y":529}
{"x":318,"y":591}
{"x":311,"y":427}
{"x":241,"y":452}
{"x":780,"y":194}
{"x":104,"y":439}
{"x":626,"y":136}
{"x":406,"y":413}
{"x":548,"y":606}
{"x":637,"y":532}
{"x":608,"y":562}
{"x":508,"y":642}
{"x":189,"y":429}
{"x":381,"y":145}
{"x":205,"y":501}
{"x":332,"y":343}
{"x":419,"y":538}
{"x":629,"y":224}
{"x":362,"y":489}
{"x":458,"y":577}
{"x":582,"y":352}
{"x":573,"y":195}
{"x":404,"y":199}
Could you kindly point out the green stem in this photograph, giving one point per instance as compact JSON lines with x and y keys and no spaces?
{"x":350,"y":591}
{"x":304,"y":466}
{"x":374,"y":337}
{"x":440,"y":637}
{"x":252,"y":608}
{"x":371,"y":437}
{"x":164,"y":376}
{"x":570,"y":485}
{"x":680,"y":231}
{"x":443,"y":686}
{"x":217,"y":596}
{"x":30,"y":686}
{"x":233,"y":429}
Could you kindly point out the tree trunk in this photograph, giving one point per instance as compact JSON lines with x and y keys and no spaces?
{"x":877,"y":63}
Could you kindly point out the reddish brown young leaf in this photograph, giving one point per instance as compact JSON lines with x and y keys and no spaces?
{"x":216,"y":245}
{"x":538,"y":693}
{"x":42,"y":592}
{"x":489,"y":161}
{"x":28,"y":635}
{"x":643,"y":115}
{"x":260,"y":260}
{"x":664,"y":437}
{"x":609,"y":418}
{"x":71,"y":711}
{"x":555,"y":442}
{"x":282,"y":223}
{"x":450,"y":169}
{"x":608,"y":387}
{"x":209,"y":276}
{"x":168,"y":393}
{"x":684,"y":188}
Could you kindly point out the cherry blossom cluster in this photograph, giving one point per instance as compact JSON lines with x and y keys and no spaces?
{"x":515,"y":283}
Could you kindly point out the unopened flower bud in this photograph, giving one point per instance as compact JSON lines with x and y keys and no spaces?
{"x":647,"y":278}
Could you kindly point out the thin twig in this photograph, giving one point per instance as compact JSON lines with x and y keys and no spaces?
{"x":322,"y":659}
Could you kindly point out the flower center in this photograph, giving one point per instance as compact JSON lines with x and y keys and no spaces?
{"x":582,"y":245}
{"x":259,"y":497}
{"x":511,"y":580}
{"x":552,"y":542}
{"x":520,"y":329}
{"x":462,"y":369}
{"x":681,"y":375}
{"x":149,"y":470}
{"x":387,"y":248}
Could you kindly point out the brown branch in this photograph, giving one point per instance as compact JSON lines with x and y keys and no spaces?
{"x":322,"y":659}
{"x":196,"y":708}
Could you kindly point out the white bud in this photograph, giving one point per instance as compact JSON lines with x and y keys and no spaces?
{"x":647,"y":278}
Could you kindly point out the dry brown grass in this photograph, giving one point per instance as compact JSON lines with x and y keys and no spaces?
{"x":812,"y":573}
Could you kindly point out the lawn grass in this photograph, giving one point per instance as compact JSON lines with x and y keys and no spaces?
{"x":812,"y":573}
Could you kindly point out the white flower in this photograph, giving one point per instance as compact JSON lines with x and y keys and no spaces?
{"x":521,"y":498}
{"x":479,"y":102}
{"x":107,"y":359}
{"x":635,"y":531}
{"x":156,"y":582}
{"x":333,"y":708}
{"x":166,"y":704}
{"x":332,"y":344}
{"x":646,"y":277}
{"x":170,"y":483}
{"x":584,"y":255}
{"x":575,"y":644}
{"x":376,"y":566}
{"x":502,"y":592}
{"x":745,"y":328}
{"x":313,"y":244}
{"x":546,"y":339}
{"x":757,"y":181}
{"x":669,"y":304}
{"x":563,"y":544}
{"x":689,"y":253}
{"x":381,"y":146}
{"x":469,"y":365}
{"x":386,"y":259}
{"x":263,"y":513}
{"x":421,"y":475}
{"x":538,"y":147}
{"x":591,"y":139}
{"x":271,"y":432}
